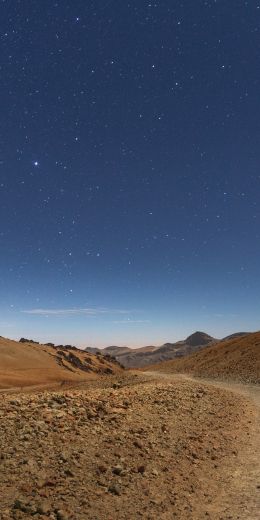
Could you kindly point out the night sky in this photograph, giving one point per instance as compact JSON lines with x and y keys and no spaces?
{"x":129,"y":169}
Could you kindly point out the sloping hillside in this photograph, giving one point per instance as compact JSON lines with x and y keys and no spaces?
{"x":26,"y":364}
{"x":236,"y":359}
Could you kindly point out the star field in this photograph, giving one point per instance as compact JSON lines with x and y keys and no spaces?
{"x":129,"y":169}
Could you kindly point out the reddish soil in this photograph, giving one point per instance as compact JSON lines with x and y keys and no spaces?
{"x":149,"y":446}
{"x":236,"y":359}
{"x":29,"y":364}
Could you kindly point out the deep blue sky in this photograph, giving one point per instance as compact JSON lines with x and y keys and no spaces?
{"x":129,"y":169}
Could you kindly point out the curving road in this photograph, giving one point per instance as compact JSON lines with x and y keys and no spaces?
{"x":246,"y":479}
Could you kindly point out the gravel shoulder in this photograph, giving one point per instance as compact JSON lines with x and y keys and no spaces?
{"x":129,"y":447}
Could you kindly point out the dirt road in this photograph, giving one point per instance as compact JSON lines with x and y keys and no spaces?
{"x":247,"y":476}
{"x":245,"y":487}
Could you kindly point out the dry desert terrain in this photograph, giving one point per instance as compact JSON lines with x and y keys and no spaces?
{"x":126,"y":445}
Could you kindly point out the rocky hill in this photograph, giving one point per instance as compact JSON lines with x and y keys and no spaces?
{"x":237,"y":358}
{"x":198,"y":339}
{"x":28,"y":363}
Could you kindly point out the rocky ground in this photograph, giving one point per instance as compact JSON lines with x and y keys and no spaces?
{"x":127,"y":448}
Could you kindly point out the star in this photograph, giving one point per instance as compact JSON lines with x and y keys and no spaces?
{"x":138,"y":129}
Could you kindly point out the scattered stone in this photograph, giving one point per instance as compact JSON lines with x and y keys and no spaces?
{"x":62,"y":515}
{"x":118,"y":470}
{"x":43,"y":509}
{"x":116,"y":386}
{"x":18,"y":504}
{"x":114,"y":489}
{"x":60,"y":465}
{"x":138,"y":444}
{"x":102,"y":468}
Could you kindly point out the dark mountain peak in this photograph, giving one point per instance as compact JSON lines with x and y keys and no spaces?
{"x":199,"y":338}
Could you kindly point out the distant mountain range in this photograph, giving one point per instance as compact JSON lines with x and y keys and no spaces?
{"x":150,"y":355}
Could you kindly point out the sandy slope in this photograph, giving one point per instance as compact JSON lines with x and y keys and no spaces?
{"x":237,"y":359}
{"x":26,"y":364}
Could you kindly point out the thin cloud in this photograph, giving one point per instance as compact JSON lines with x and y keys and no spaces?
{"x":131,"y":321}
{"x":88,"y":311}
{"x":219,"y":315}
